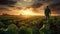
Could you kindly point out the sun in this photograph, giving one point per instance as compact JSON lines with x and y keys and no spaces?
{"x":28,"y":12}
{"x":27,"y":0}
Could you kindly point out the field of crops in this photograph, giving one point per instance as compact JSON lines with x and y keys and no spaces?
{"x":32,"y":25}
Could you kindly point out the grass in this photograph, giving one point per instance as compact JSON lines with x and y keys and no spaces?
{"x":32,"y":24}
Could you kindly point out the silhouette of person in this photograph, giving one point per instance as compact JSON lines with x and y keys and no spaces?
{"x":47,"y":12}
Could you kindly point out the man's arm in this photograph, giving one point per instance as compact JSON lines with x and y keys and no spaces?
{"x":50,"y":11}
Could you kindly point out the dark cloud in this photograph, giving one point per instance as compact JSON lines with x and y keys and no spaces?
{"x":44,"y":0}
{"x":4,"y":9}
{"x":7,"y":2}
{"x":55,"y":5}
{"x":36,"y":5}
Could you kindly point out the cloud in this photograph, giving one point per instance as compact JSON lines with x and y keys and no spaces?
{"x":7,"y":2}
{"x":36,"y":5}
{"x":27,"y":0}
{"x":55,"y":5}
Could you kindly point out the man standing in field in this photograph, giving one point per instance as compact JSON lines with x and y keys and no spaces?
{"x":47,"y":13}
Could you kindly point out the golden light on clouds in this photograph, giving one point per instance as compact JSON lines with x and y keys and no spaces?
{"x":27,"y":0}
{"x":28,"y":12}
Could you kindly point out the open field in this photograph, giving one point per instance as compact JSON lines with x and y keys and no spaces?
{"x":32,"y":25}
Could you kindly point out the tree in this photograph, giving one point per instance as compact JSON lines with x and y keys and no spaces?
{"x":2,"y":32}
{"x":12,"y":29}
{"x":25,"y":30}
{"x":1,"y":24}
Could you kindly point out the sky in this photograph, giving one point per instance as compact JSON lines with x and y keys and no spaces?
{"x":13,"y":7}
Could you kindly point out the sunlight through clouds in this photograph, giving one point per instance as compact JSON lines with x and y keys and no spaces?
{"x":27,"y":0}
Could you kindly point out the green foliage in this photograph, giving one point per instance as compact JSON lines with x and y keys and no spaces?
{"x":25,"y":30}
{"x":27,"y":26}
{"x":1,"y":24}
{"x":12,"y":27}
{"x":35,"y":30}
{"x":11,"y":32}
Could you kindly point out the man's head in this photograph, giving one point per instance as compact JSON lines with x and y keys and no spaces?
{"x":47,"y":6}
